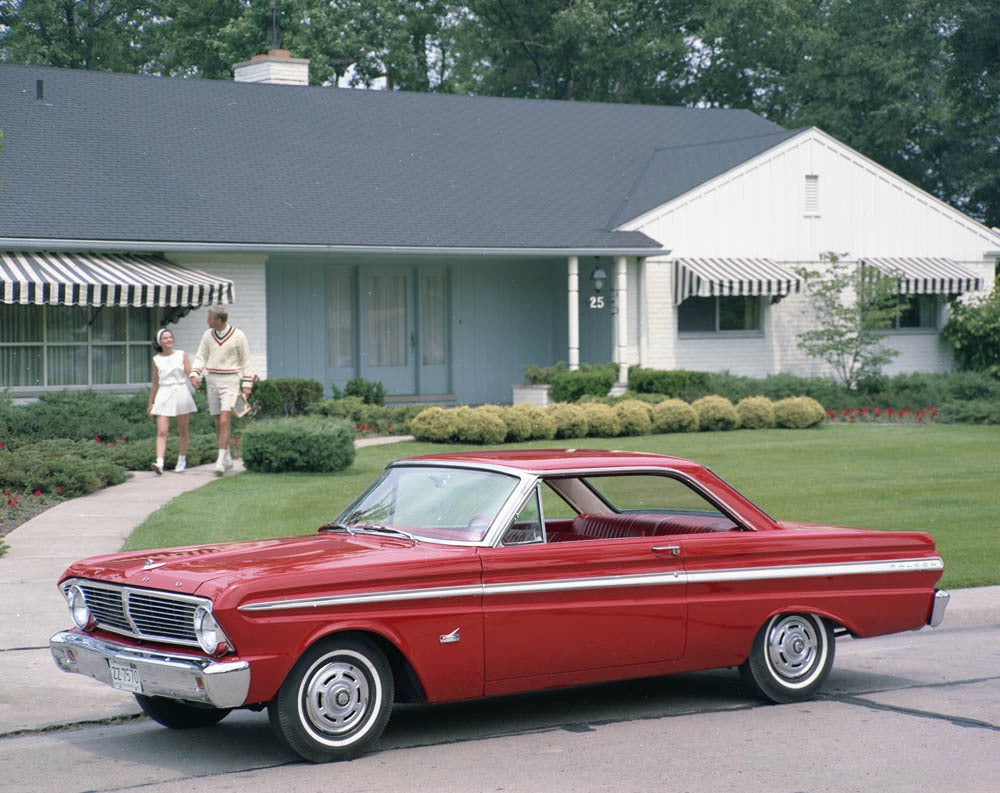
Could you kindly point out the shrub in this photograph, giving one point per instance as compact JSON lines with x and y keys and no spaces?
{"x":535,"y":375}
{"x":65,"y":467}
{"x":518,"y":425}
{"x":979,"y":411}
{"x":602,"y":420}
{"x":798,"y":412}
{"x":287,"y":396}
{"x":677,"y":383}
{"x":303,"y":443}
{"x":634,"y":417}
{"x":595,"y":379}
{"x":716,"y":413}
{"x":541,"y":427}
{"x":371,"y":393}
{"x":432,"y":424}
{"x":674,"y":415}
{"x":570,"y":420}
{"x":756,"y":413}
{"x":350,"y":408}
{"x":475,"y":425}
{"x":972,"y":330}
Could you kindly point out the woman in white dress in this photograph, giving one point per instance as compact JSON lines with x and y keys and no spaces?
{"x":170,"y":395}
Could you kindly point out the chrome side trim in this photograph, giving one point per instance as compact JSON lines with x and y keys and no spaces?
{"x":366,"y":597}
{"x":667,"y":577}
{"x":815,"y":570}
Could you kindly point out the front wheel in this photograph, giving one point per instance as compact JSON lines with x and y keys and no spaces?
{"x":790,"y":658}
{"x":335,"y":702}
{"x":178,"y":715}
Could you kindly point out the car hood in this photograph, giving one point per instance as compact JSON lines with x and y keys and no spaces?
{"x":205,"y":569}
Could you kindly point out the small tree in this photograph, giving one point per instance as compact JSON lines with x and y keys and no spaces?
{"x":852,"y":303}
{"x":974,"y":333}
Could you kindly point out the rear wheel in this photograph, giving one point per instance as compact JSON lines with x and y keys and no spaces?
{"x":178,"y":715}
{"x":790,"y":658}
{"x":335,"y":702}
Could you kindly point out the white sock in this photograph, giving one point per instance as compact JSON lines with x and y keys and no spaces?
{"x":182,"y":459}
{"x":222,"y":456}
{"x":159,"y":462}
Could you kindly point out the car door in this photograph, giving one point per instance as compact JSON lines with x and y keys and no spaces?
{"x":565,"y":607}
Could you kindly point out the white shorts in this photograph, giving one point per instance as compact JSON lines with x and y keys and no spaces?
{"x":222,"y":392}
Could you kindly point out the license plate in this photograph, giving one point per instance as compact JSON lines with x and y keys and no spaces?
{"x":125,"y":677}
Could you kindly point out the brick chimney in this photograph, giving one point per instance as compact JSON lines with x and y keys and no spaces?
{"x":276,"y":67}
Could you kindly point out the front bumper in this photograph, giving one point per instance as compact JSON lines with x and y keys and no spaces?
{"x":941,"y":599}
{"x":222,"y":684}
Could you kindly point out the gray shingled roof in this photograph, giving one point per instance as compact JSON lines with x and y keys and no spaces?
{"x":133,"y":158}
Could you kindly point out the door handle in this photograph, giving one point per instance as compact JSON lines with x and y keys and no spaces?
{"x":673,"y":550}
{"x":413,"y":339}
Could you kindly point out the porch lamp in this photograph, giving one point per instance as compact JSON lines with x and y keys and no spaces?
{"x":598,"y":277}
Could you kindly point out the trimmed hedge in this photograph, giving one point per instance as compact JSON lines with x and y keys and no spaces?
{"x":674,"y":415}
{"x":756,"y":413}
{"x":287,"y":396}
{"x":716,"y":413}
{"x":798,"y":412}
{"x":593,"y":379}
{"x":65,"y":467}
{"x":570,"y":420}
{"x":301,"y":443}
{"x":634,"y":417}
{"x":679,"y":383}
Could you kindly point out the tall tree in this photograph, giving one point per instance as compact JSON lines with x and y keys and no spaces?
{"x":973,"y":153}
{"x":597,"y":50}
{"x":74,"y":34}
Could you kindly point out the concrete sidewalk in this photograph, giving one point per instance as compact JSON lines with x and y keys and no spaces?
{"x":35,"y":694}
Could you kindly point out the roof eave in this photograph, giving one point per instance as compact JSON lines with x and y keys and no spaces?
{"x":148,"y":246}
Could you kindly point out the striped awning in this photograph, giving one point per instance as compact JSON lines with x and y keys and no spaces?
{"x":729,"y":277}
{"x":106,"y":279}
{"x":927,"y":275}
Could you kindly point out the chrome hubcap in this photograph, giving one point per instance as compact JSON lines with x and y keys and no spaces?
{"x":336,"y":697}
{"x":793,"y":646}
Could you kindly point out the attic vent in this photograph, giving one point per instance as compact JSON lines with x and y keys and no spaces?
{"x":812,"y":195}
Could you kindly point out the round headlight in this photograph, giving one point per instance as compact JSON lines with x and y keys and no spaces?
{"x":78,"y":608}
{"x":210,"y":636}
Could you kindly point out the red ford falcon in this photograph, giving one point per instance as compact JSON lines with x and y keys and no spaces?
{"x":455,"y":576}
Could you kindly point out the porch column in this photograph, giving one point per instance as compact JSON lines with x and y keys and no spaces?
{"x":621,"y":318}
{"x":574,"y":313}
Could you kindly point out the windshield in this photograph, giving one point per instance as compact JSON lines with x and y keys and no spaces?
{"x":438,"y":503}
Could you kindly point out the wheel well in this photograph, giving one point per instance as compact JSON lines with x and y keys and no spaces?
{"x":407,"y":685}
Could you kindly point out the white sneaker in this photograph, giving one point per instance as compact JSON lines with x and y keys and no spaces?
{"x":220,"y":468}
{"x":181,"y":465}
{"x":229,"y":463}
{"x":157,"y":468}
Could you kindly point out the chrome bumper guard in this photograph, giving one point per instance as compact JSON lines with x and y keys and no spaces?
{"x":941,"y":599}
{"x":222,"y":684}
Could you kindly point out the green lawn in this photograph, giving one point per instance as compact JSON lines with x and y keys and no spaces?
{"x":940,"y":479}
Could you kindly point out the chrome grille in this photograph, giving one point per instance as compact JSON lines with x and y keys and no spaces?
{"x":142,"y":613}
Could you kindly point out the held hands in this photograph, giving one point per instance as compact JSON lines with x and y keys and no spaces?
{"x":195,"y":381}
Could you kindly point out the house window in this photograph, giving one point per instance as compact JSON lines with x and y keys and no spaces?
{"x":433,"y":319}
{"x":917,"y":311}
{"x":47,"y":346}
{"x":340,"y":320}
{"x":812,"y":194}
{"x":719,"y":314}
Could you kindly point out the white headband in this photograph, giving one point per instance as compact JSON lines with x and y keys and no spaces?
{"x":159,"y":334}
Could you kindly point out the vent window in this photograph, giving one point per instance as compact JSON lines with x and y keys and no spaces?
{"x":812,"y":194}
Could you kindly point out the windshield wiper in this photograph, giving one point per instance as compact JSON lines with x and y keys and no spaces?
{"x":331,"y":527}
{"x":377,"y":528}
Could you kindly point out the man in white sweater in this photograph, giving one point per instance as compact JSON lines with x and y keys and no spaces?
{"x":223,"y":358}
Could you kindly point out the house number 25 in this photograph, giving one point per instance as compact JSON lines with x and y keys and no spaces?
{"x":597,"y":301}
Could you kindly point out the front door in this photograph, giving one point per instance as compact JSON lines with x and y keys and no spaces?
{"x":390,"y":335}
